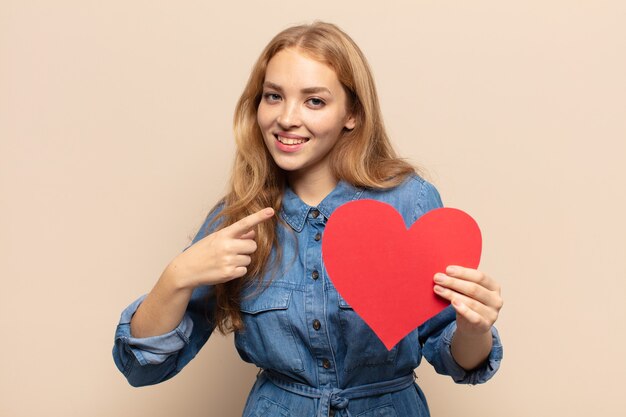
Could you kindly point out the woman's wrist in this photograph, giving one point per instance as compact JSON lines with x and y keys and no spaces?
{"x":472,"y":334}
{"x":176,"y":277}
{"x":470,"y":349}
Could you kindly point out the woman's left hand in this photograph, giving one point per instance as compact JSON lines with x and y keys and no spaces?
{"x":474,"y":295}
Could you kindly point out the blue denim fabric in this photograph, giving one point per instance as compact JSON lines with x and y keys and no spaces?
{"x":322,"y":365}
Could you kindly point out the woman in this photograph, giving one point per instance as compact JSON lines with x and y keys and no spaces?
{"x":310,"y":138}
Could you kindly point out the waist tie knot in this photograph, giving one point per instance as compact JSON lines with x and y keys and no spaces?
{"x":336,"y":398}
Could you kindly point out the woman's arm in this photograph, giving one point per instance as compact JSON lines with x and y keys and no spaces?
{"x":461,"y":341}
{"x":158,"y":334}
{"x":150,"y":360}
{"x":217,"y":258}
{"x":164,"y":307}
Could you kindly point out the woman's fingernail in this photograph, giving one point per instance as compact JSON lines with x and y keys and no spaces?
{"x":452,"y":270}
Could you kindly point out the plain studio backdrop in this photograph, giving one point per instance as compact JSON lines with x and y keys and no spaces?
{"x":115,"y":141}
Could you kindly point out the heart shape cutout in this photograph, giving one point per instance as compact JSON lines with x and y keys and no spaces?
{"x":385,"y":272}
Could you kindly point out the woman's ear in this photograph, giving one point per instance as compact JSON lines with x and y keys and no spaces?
{"x":350,"y":122}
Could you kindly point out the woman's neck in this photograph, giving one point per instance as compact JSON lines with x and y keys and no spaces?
{"x":312,"y":189}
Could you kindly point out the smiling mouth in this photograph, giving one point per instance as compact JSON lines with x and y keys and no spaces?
{"x":290,"y":141}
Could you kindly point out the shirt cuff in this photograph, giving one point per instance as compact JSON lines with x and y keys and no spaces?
{"x":155,"y":349}
{"x":478,"y":375}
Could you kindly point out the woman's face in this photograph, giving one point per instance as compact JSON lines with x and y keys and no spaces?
{"x":302,"y":113}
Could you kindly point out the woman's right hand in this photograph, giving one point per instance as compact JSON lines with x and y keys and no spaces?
{"x":221,"y":256}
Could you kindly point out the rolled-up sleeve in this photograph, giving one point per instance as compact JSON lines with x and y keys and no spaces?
{"x":150,"y":350}
{"x":150,"y":360}
{"x":436,"y":338}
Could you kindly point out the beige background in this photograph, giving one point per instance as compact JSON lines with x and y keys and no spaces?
{"x":115,"y":139}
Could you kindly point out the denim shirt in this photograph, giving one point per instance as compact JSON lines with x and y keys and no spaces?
{"x":318,"y":356}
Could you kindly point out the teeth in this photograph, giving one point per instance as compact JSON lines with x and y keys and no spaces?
{"x":289,"y":141}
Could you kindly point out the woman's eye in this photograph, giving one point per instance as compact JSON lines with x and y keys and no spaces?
{"x":271,"y":97}
{"x":316,"y":102}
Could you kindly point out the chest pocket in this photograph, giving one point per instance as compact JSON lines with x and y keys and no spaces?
{"x":363,"y":347}
{"x":267,"y":339}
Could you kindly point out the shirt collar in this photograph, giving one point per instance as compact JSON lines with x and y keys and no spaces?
{"x":295,"y":211}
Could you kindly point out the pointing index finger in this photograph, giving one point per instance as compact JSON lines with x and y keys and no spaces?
{"x":242,"y":226}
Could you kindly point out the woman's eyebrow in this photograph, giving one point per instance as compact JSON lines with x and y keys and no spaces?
{"x":312,"y":90}
{"x":308,"y":90}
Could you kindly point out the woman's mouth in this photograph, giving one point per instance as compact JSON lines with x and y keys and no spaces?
{"x":290,"y":139}
{"x":289,"y":143}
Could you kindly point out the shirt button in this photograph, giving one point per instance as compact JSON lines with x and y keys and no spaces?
{"x":317,"y":237}
{"x":315,"y":275}
{"x":326,"y":363}
{"x":316,"y":324}
{"x":315,"y":213}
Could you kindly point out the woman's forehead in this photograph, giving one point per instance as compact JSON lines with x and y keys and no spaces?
{"x":293,"y":68}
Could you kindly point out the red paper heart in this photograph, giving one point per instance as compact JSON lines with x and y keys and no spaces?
{"x":385,"y":272}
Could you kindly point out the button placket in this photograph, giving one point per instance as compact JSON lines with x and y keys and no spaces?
{"x":316,"y":299}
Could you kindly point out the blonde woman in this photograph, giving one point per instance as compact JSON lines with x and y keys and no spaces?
{"x":310,"y":138}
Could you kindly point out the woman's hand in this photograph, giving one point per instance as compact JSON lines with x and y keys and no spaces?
{"x":475,"y":297}
{"x":477,"y":301}
{"x":221,"y":256}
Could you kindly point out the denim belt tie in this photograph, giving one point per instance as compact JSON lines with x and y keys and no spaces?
{"x":338,"y":398}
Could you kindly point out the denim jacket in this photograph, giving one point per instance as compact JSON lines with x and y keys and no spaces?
{"x":318,"y":357}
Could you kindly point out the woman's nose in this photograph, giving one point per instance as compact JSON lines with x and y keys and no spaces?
{"x":289,"y":116}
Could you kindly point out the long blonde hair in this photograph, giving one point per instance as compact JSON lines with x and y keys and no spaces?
{"x":362,"y":157}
